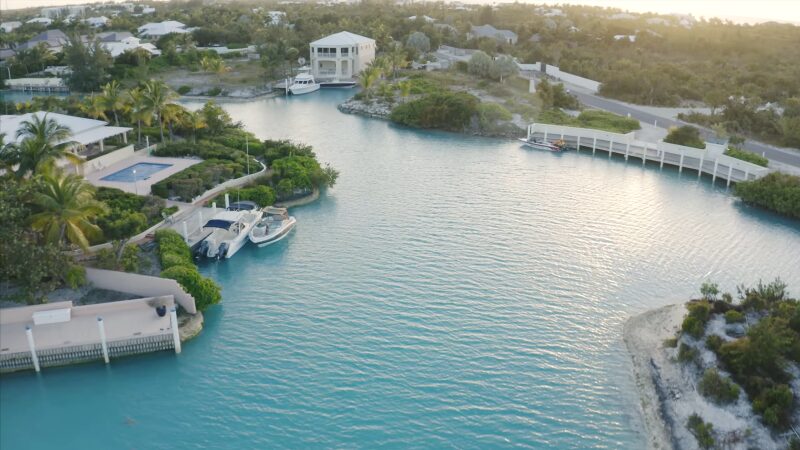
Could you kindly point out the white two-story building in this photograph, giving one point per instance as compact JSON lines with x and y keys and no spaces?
{"x":341,"y":56}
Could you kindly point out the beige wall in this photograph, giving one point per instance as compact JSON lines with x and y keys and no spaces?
{"x":143,"y":285}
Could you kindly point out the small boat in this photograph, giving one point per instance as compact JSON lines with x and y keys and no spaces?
{"x":304,"y":83}
{"x":274,"y":226}
{"x":541,"y":144}
{"x":229,"y":230}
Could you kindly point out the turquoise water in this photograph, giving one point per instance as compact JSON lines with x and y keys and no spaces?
{"x":136,"y":172}
{"x":448,"y":292}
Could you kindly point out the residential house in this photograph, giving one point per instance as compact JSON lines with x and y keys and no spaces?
{"x":97,"y":22}
{"x":55,"y":12}
{"x":8,"y":27}
{"x":54,"y":40}
{"x":622,"y":37}
{"x":41,"y":21}
{"x":427,"y":19}
{"x":158,"y":29}
{"x":87,"y":137}
{"x":488,"y":31}
{"x":341,"y":56}
{"x":119,"y":42}
{"x":276,"y":17}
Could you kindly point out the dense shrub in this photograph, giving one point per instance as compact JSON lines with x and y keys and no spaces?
{"x":262,"y":195}
{"x":272,"y":150}
{"x":176,"y":261}
{"x":687,"y":353}
{"x":734,"y":316}
{"x":695,"y":322}
{"x":779,"y":192}
{"x":750,"y":157}
{"x":193,"y":181}
{"x":718,"y":388}
{"x":443,"y":110}
{"x":183,"y":90}
{"x":702,"y":431}
{"x":671,"y":343}
{"x":775,"y":405}
{"x":592,"y":118}
{"x":714,"y":342}
{"x":685,"y":135}
{"x":128,"y":214}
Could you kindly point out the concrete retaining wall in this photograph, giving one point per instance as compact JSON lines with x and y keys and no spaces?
{"x":558,"y":74}
{"x":143,"y":285}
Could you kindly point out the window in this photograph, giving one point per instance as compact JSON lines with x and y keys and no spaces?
{"x":345,"y":51}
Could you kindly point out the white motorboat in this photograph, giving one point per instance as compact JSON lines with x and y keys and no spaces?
{"x":541,"y":144}
{"x":229,"y":230}
{"x":274,"y":226}
{"x":304,"y":83}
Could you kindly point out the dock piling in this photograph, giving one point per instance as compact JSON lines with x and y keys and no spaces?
{"x":103,"y":342}
{"x":730,"y":173}
{"x":227,"y":201}
{"x":32,"y":347}
{"x":185,"y":232}
{"x":176,"y":336}
{"x":700,"y":167}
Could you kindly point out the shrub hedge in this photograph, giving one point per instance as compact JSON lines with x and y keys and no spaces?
{"x":779,"y":192}
{"x":750,"y":157}
{"x":177,"y":264}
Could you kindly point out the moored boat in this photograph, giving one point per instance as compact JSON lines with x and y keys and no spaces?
{"x":275,"y":225}
{"x":230,"y":230}
{"x":304,"y":83}
{"x":541,"y":144}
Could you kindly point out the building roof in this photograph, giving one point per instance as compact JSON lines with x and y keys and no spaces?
{"x":10,"y":26}
{"x":492,"y":32}
{"x":84,"y":131}
{"x":343,"y":38}
{"x":53,"y":38}
{"x":162,"y":28}
{"x":113,"y":36}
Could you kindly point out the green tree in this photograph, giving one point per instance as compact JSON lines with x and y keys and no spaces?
{"x":367,"y":79}
{"x":139,"y":111}
{"x":419,"y":42}
{"x":65,"y":208}
{"x":157,"y":95}
{"x":89,"y":64}
{"x":44,"y":141}
{"x":685,"y":135}
{"x":195,"y":121}
{"x":480,"y":64}
{"x":709,"y":290}
{"x":503,"y":67}
{"x":113,"y":99}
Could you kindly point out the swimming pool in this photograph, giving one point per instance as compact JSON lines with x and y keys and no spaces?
{"x":136,"y":172}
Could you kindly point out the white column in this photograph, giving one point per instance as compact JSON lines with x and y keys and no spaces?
{"x":101,"y":146}
{"x":610,"y":148}
{"x":545,"y":134}
{"x":594,"y":145}
{"x":680,"y":164}
{"x":102,"y":328}
{"x":644,"y":154}
{"x":714,"y":175}
{"x":578,"y":147}
{"x":730,"y":173}
{"x":176,"y":336}
{"x":746,"y":175}
{"x":32,"y":347}
{"x":125,"y":137}
{"x":185,"y":232}
{"x":700,"y":167}
{"x":662,"y":159}
{"x":627,"y":149}
{"x":214,"y":208}
{"x":200,"y":218}
{"x":227,"y":201}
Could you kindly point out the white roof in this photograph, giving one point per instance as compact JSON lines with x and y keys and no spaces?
{"x":343,"y":38}
{"x":118,"y":48}
{"x":162,"y":28}
{"x":84,"y":131}
{"x":230,"y":216}
{"x":44,"y":20}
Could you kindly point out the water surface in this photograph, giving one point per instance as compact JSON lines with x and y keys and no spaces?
{"x":448,"y":292}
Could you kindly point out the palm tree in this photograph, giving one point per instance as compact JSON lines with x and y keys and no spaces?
{"x":44,"y":141}
{"x":196,"y":121}
{"x":405,"y":89}
{"x":214,"y":65}
{"x":112,"y":99}
{"x":139,"y":111}
{"x":397,"y":59}
{"x":94,"y":108}
{"x":9,"y":154}
{"x":367,"y":78}
{"x":66,"y":206}
{"x":157,"y":96}
{"x":173,"y":114}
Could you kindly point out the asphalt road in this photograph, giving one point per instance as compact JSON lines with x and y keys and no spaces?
{"x":773,"y":153}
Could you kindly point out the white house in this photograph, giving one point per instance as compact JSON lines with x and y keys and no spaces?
{"x":622,"y":37}
{"x":341,"y":56}
{"x":158,"y":29}
{"x":97,"y":22}
{"x":58,"y":11}
{"x":8,"y":27}
{"x":119,"y":42}
{"x":41,"y":20}
{"x":488,"y":31}
{"x":427,"y":19}
{"x":276,"y":17}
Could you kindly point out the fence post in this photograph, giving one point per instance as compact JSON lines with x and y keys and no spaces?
{"x":176,"y":336}
{"x":101,"y":326}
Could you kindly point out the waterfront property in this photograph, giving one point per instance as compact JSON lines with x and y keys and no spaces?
{"x":87,"y":139}
{"x":710,"y":160}
{"x":159,"y":29}
{"x":118,"y":42}
{"x":341,"y":56}
{"x":52,"y":334}
{"x":135,"y":171}
{"x":54,"y":40}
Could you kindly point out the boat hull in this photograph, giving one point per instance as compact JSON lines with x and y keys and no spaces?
{"x":540,"y":145}
{"x":269,"y":240}
{"x":305,"y":89}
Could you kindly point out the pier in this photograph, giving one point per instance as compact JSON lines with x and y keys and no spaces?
{"x":710,"y":160}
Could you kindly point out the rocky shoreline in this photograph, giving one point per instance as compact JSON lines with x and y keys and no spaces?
{"x":668,"y":392}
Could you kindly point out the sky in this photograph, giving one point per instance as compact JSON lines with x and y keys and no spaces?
{"x":740,"y":11}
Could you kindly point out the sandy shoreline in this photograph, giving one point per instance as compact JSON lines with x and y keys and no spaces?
{"x":644,"y":336}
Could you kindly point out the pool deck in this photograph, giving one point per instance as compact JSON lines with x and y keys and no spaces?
{"x":141,"y":187}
